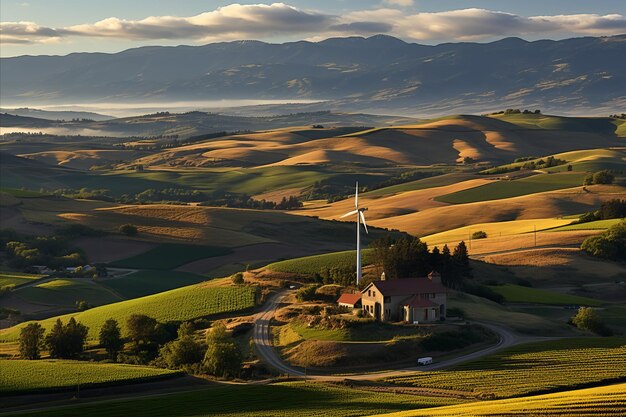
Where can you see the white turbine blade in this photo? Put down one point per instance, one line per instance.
(349, 214)
(356, 196)
(363, 220)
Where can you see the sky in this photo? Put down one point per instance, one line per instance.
(55, 27)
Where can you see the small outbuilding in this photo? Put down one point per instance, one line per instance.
(350, 300)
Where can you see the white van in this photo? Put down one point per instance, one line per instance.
(425, 361)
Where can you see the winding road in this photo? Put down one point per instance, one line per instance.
(265, 350)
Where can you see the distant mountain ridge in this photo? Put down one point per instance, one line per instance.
(373, 74)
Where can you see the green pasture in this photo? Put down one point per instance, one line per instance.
(141, 283)
(519, 294)
(65, 292)
(171, 255)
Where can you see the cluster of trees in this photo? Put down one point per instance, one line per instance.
(532, 164)
(64, 341)
(610, 244)
(24, 251)
(410, 257)
(161, 344)
(600, 177)
(618, 116)
(181, 196)
(341, 275)
(612, 209)
(549, 162)
(518, 111)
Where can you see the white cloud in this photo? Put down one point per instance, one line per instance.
(401, 3)
(266, 21)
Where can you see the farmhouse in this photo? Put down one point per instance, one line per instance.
(350, 300)
(408, 299)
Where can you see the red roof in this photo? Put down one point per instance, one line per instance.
(408, 286)
(348, 298)
(417, 301)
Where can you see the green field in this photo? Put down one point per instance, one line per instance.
(595, 225)
(421, 184)
(171, 255)
(181, 304)
(532, 368)
(599, 401)
(314, 264)
(515, 188)
(17, 278)
(519, 294)
(33, 375)
(549, 122)
(141, 283)
(276, 400)
(65, 292)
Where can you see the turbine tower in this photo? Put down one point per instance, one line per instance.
(360, 217)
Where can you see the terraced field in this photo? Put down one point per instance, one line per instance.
(314, 264)
(50, 374)
(600, 401)
(280, 400)
(532, 368)
(181, 304)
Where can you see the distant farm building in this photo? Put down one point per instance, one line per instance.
(350, 300)
(413, 300)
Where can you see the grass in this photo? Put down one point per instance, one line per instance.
(17, 278)
(515, 188)
(66, 292)
(377, 332)
(421, 184)
(519, 294)
(495, 229)
(532, 369)
(171, 255)
(187, 303)
(608, 401)
(141, 283)
(27, 375)
(595, 225)
(313, 264)
(279, 400)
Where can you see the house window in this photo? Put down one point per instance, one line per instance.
(374, 293)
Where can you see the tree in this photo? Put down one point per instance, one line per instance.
(141, 328)
(183, 351)
(111, 338)
(128, 229)
(31, 341)
(479, 235)
(610, 244)
(222, 358)
(237, 278)
(67, 342)
(588, 319)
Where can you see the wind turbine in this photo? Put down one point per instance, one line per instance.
(360, 217)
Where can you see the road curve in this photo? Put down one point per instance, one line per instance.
(265, 350)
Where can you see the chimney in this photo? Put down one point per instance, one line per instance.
(435, 277)
(382, 276)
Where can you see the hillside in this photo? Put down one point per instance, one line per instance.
(580, 73)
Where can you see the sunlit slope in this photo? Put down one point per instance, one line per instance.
(599, 401)
(446, 140)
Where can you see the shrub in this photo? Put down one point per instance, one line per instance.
(222, 357)
(588, 319)
(307, 293)
(184, 351)
(479, 235)
(237, 278)
(603, 177)
(128, 229)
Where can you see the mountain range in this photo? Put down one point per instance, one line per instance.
(379, 73)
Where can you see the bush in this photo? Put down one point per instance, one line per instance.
(184, 351)
(307, 293)
(237, 278)
(588, 319)
(128, 229)
(479, 235)
(600, 177)
(222, 357)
